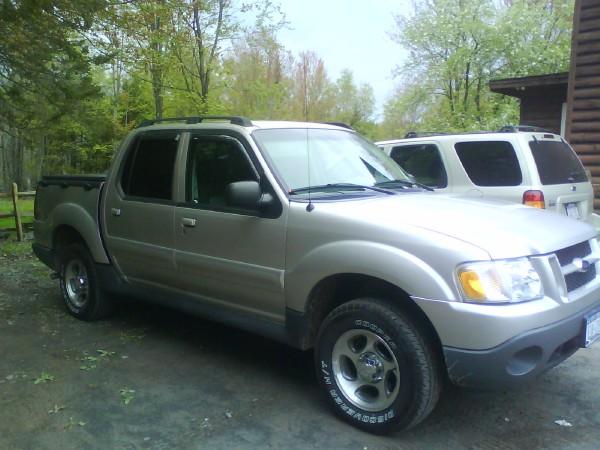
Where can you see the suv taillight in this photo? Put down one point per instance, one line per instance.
(534, 199)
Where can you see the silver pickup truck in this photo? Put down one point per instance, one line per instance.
(309, 234)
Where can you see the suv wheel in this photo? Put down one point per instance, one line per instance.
(79, 284)
(378, 369)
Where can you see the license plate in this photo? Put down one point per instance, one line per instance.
(592, 328)
(572, 210)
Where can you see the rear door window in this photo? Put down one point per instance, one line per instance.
(422, 161)
(148, 170)
(490, 163)
(557, 163)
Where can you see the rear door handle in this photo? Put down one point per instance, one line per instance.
(115, 212)
(187, 222)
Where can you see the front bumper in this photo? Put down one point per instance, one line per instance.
(521, 358)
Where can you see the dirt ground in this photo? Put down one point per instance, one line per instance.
(153, 378)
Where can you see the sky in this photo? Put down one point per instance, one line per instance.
(348, 34)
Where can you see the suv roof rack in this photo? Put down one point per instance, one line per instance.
(235, 120)
(414, 134)
(525, 128)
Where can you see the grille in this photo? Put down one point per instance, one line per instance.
(566, 255)
(577, 279)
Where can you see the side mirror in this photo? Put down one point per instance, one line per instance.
(248, 195)
(243, 194)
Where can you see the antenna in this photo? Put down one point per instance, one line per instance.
(310, 205)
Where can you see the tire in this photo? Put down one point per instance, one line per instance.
(379, 371)
(79, 284)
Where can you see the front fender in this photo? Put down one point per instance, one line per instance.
(387, 263)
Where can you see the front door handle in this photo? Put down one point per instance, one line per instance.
(187, 222)
(115, 212)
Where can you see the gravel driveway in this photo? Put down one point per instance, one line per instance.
(153, 378)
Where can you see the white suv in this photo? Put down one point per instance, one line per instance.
(518, 164)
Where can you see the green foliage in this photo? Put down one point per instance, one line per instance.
(76, 76)
(457, 46)
(353, 104)
(127, 395)
(44, 377)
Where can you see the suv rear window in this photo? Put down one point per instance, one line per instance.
(423, 162)
(557, 163)
(148, 171)
(490, 163)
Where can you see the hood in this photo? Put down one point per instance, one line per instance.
(502, 229)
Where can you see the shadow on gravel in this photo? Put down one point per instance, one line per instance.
(215, 339)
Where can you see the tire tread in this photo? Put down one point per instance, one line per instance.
(426, 357)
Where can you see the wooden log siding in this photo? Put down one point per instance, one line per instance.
(583, 96)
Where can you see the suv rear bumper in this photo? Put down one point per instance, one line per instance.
(520, 359)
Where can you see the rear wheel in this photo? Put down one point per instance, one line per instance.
(379, 370)
(79, 284)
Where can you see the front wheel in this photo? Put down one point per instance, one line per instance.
(379, 370)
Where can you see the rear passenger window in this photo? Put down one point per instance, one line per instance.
(423, 162)
(490, 163)
(148, 170)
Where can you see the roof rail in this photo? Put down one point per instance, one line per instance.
(525, 128)
(235, 120)
(414, 134)
(339, 124)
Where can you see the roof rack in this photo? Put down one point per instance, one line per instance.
(414, 134)
(339, 124)
(525, 128)
(235, 120)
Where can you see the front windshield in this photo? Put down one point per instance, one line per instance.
(334, 157)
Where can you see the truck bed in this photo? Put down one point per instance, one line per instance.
(73, 202)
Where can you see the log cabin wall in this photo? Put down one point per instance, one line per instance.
(544, 110)
(583, 97)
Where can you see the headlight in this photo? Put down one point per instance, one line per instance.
(502, 281)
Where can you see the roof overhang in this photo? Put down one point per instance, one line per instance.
(538, 84)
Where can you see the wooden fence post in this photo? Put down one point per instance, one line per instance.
(18, 223)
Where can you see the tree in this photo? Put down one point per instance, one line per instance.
(313, 94)
(41, 80)
(200, 28)
(457, 46)
(354, 104)
(257, 71)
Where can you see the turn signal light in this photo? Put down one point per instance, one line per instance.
(534, 199)
(472, 286)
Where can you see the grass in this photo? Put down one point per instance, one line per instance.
(25, 206)
(11, 248)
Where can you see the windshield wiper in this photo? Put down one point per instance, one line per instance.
(338, 186)
(391, 183)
